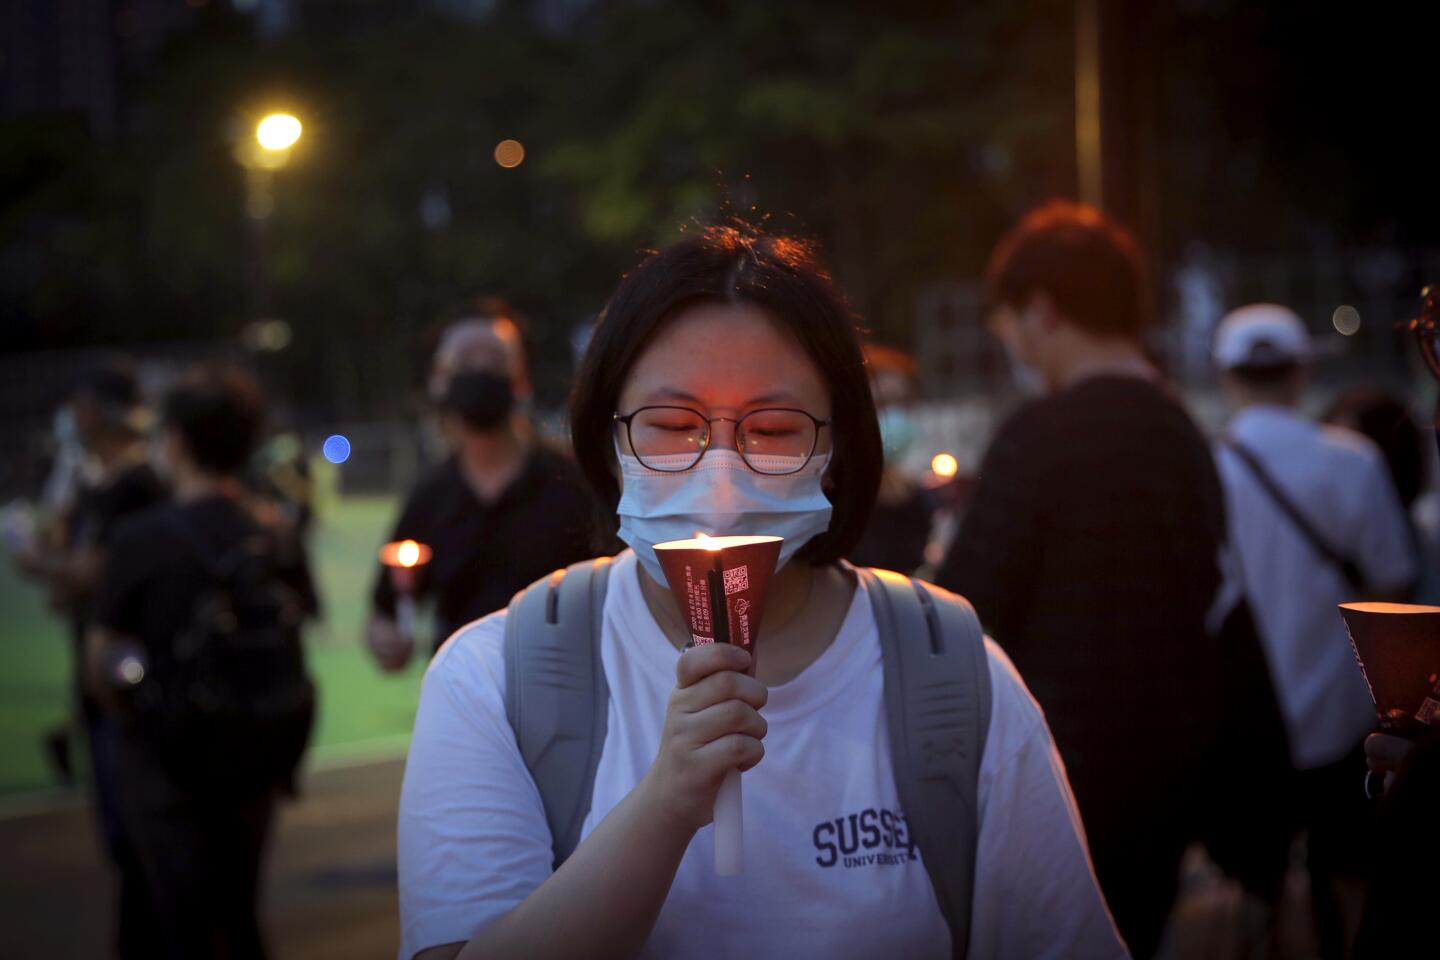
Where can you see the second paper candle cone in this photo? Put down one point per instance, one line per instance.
(745, 565)
(1398, 646)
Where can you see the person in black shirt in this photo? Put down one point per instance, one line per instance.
(117, 482)
(900, 525)
(500, 512)
(1403, 890)
(1090, 551)
(199, 849)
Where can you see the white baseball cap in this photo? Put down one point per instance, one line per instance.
(1261, 335)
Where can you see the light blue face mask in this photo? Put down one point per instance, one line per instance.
(720, 496)
(897, 430)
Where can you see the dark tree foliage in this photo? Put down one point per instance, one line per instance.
(902, 136)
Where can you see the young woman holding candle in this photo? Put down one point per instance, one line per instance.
(724, 392)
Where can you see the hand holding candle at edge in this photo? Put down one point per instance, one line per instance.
(392, 642)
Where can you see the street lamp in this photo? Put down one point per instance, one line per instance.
(278, 131)
(268, 151)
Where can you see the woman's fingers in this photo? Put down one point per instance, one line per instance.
(719, 687)
(733, 752)
(712, 725)
(699, 662)
(721, 720)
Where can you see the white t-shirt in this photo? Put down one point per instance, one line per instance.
(829, 870)
(1339, 482)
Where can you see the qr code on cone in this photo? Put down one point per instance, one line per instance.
(737, 579)
(1428, 710)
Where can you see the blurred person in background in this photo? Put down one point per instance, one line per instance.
(1379, 415)
(500, 511)
(1090, 550)
(114, 480)
(487, 337)
(281, 498)
(195, 652)
(1316, 521)
(109, 422)
(899, 527)
(1400, 901)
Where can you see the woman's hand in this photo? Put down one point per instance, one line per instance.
(1384, 753)
(390, 645)
(712, 726)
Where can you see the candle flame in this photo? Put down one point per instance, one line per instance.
(705, 541)
(405, 555)
(945, 465)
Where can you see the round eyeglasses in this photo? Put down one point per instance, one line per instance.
(770, 440)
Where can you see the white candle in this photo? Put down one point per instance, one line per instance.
(729, 828)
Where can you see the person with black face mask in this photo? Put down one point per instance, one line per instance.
(500, 511)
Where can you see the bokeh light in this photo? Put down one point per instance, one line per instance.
(408, 554)
(336, 448)
(944, 465)
(1346, 319)
(267, 336)
(132, 670)
(509, 153)
(279, 131)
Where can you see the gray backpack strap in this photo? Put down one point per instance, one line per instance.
(937, 704)
(556, 697)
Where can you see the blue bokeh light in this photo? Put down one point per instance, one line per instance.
(336, 448)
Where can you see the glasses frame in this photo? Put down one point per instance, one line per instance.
(627, 418)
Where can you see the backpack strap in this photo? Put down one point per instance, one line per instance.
(1347, 566)
(556, 697)
(937, 704)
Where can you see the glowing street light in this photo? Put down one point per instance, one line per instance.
(278, 131)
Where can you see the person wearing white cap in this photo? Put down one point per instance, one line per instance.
(1315, 521)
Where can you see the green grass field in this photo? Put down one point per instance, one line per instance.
(361, 709)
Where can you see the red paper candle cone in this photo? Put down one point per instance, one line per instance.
(1398, 646)
(724, 575)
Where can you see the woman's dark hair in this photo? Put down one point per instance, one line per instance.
(219, 414)
(1082, 260)
(736, 265)
(1377, 414)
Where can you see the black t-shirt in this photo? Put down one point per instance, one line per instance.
(1090, 552)
(98, 512)
(98, 508)
(154, 573)
(1404, 888)
(484, 553)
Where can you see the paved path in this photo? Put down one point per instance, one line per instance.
(330, 882)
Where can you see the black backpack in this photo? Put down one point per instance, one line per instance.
(233, 706)
(937, 703)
